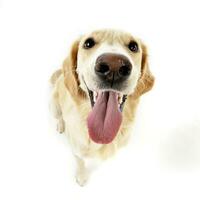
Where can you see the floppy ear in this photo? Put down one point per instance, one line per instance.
(146, 80)
(70, 75)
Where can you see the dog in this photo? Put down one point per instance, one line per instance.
(96, 93)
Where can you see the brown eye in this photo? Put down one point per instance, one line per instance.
(133, 46)
(89, 43)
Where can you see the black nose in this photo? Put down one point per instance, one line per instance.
(112, 67)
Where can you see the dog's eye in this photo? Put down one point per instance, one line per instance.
(89, 43)
(133, 46)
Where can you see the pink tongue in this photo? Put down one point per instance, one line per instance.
(105, 118)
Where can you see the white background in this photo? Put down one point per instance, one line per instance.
(162, 160)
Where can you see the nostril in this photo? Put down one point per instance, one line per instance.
(103, 68)
(124, 70)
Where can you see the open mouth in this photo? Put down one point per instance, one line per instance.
(105, 118)
(94, 95)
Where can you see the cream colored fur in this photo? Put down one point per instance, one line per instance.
(71, 106)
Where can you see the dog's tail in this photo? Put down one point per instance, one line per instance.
(55, 76)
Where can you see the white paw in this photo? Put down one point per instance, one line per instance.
(61, 126)
(81, 178)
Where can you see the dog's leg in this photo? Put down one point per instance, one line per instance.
(81, 172)
(60, 125)
(57, 112)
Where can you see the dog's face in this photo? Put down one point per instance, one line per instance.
(109, 60)
(108, 66)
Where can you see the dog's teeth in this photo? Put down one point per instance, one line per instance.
(120, 98)
(95, 93)
(95, 96)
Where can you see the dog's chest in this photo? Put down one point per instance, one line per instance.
(76, 128)
(77, 133)
(75, 117)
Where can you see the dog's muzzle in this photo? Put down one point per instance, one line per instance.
(108, 99)
(112, 68)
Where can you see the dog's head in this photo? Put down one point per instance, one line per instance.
(107, 67)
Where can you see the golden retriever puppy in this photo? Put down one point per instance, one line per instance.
(96, 93)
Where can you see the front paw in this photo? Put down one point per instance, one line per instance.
(82, 178)
(61, 126)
